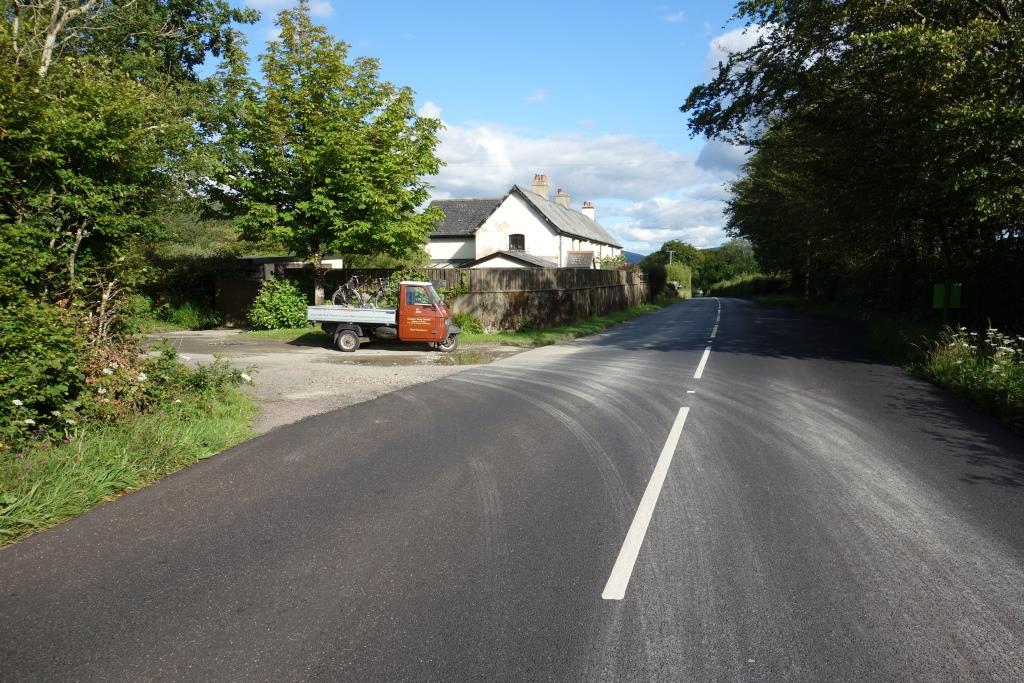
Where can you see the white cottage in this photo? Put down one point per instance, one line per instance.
(523, 229)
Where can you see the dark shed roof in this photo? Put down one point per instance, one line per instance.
(521, 256)
(462, 217)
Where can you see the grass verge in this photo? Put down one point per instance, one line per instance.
(986, 368)
(560, 333)
(286, 333)
(44, 486)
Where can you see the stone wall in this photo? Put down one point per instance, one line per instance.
(510, 299)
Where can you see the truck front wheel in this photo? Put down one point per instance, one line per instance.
(450, 343)
(346, 340)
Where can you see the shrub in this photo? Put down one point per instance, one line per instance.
(279, 304)
(683, 275)
(44, 358)
(467, 322)
(190, 315)
(53, 382)
(749, 284)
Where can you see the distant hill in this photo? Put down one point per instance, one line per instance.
(633, 257)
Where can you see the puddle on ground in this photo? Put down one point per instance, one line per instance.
(469, 358)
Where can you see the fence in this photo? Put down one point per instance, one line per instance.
(501, 298)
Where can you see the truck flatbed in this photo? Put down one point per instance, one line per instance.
(328, 313)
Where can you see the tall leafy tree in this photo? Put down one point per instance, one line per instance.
(99, 101)
(324, 157)
(888, 144)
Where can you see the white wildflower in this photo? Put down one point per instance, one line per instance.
(177, 401)
(101, 391)
(245, 377)
(108, 371)
(71, 422)
(55, 413)
(113, 365)
(142, 377)
(18, 402)
(29, 421)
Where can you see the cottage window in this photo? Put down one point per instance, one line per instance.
(517, 242)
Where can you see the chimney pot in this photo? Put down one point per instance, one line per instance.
(561, 198)
(589, 211)
(540, 185)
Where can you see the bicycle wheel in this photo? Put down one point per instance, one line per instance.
(341, 296)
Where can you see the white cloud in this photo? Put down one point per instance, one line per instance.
(695, 218)
(429, 110)
(321, 8)
(730, 42)
(537, 96)
(674, 18)
(722, 158)
(645, 194)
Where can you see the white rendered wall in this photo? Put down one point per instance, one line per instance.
(451, 248)
(513, 217)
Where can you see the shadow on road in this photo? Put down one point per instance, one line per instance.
(995, 454)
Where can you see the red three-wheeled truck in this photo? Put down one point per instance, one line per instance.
(421, 317)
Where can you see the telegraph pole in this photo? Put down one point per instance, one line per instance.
(670, 252)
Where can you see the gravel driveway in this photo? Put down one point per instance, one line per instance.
(293, 380)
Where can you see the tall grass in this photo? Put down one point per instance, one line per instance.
(45, 485)
(984, 367)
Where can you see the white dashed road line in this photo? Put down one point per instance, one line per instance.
(615, 589)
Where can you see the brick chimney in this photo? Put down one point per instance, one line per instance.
(540, 185)
(588, 210)
(561, 198)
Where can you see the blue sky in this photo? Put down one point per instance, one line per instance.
(587, 93)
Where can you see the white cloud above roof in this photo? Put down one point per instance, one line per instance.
(645, 194)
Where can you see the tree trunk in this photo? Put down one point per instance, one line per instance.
(807, 273)
(58, 21)
(319, 276)
(73, 256)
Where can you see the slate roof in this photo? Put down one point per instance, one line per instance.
(567, 221)
(521, 256)
(462, 217)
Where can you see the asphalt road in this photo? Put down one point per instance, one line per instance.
(822, 517)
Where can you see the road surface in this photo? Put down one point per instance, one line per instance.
(717, 491)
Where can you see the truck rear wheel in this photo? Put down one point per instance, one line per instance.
(346, 340)
(450, 343)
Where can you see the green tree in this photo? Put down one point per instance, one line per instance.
(333, 159)
(99, 103)
(735, 257)
(100, 111)
(888, 144)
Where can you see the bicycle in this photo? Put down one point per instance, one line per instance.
(349, 295)
(380, 294)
